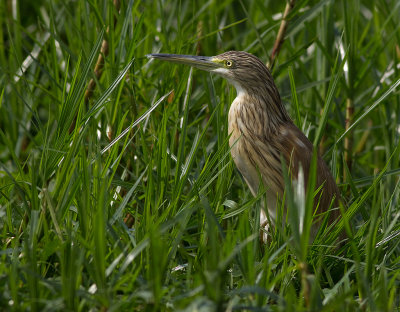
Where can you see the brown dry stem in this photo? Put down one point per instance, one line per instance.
(99, 67)
(348, 141)
(280, 38)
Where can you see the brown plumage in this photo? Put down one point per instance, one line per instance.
(261, 130)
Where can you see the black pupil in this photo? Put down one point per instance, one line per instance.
(228, 63)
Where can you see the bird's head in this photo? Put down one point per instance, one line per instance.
(244, 70)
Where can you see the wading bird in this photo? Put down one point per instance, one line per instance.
(262, 133)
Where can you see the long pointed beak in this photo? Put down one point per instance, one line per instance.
(201, 62)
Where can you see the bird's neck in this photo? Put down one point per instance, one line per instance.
(260, 115)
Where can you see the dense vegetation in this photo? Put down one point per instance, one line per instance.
(121, 194)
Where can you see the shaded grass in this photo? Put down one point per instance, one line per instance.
(140, 206)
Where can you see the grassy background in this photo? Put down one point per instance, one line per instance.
(160, 219)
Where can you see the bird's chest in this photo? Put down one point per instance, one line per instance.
(238, 132)
(235, 130)
(244, 155)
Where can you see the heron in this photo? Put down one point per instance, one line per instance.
(262, 133)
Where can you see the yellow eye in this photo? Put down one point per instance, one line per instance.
(228, 63)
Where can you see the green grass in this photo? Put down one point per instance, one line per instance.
(140, 207)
